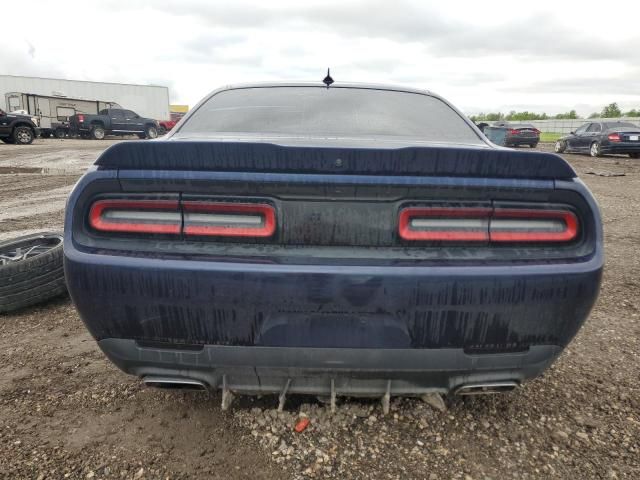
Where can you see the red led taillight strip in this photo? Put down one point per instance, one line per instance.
(499, 225)
(228, 219)
(529, 225)
(136, 216)
(445, 224)
(189, 217)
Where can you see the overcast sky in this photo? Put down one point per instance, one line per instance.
(483, 56)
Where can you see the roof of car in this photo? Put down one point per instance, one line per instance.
(375, 86)
(514, 124)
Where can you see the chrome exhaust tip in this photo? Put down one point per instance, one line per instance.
(486, 388)
(174, 383)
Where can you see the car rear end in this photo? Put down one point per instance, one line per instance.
(79, 123)
(331, 268)
(522, 135)
(622, 139)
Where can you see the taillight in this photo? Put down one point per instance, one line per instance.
(445, 224)
(614, 137)
(493, 225)
(228, 219)
(80, 118)
(136, 216)
(514, 131)
(528, 225)
(536, 131)
(171, 217)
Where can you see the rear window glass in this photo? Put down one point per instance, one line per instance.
(620, 125)
(337, 112)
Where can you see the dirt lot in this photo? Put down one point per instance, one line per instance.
(66, 412)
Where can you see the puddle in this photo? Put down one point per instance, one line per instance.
(40, 171)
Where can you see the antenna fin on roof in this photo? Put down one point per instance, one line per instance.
(328, 80)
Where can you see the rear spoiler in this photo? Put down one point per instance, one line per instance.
(266, 157)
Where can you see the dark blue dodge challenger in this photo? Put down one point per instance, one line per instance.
(350, 240)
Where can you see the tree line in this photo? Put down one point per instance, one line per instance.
(610, 111)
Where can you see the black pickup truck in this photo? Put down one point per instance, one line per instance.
(18, 129)
(112, 121)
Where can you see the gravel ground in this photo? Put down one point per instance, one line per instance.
(66, 412)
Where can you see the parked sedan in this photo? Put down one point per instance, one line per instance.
(344, 240)
(600, 138)
(519, 134)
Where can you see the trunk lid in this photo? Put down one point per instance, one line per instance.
(343, 159)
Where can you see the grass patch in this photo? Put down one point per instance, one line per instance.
(549, 137)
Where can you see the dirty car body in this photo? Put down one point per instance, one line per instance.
(351, 240)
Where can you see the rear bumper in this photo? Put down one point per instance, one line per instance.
(621, 148)
(424, 328)
(522, 140)
(200, 301)
(365, 372)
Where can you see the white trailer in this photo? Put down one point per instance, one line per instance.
(151, 101)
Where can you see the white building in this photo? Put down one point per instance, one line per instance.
(151, 101)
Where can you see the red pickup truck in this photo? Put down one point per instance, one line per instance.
(165, 126)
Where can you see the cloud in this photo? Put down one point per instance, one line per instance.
(32, 50)
(22, 61)
(538, 36)
(619, 84)
(479, 55)
(523, 33)
(402, 20)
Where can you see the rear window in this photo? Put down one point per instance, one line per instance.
(620, 125)
(335, 111)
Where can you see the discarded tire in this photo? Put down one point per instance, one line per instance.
(31, 270)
